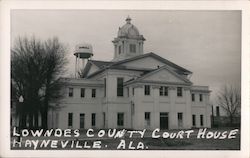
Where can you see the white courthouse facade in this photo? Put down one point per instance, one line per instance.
(135, 90)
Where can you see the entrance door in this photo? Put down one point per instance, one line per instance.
(82, 118)
(180, 119)
(163, 120)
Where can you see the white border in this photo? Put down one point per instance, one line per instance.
(6, 6)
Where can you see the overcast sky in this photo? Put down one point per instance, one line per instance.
(208, 43)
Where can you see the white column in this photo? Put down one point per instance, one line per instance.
(142, 48)
(138, 108)
(208, 111)
(156, 113)
(187, 118)
(173, 122)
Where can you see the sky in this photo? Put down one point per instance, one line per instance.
(208, 43)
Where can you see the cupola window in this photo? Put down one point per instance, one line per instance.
(119, 49)
(132, 48)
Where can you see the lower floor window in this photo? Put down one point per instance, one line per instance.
(93, 119)
(194, 120)
(70, 119)
(201, 119)
(120, 119)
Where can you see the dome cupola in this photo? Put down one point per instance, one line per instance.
(128, 30)
(129, 42)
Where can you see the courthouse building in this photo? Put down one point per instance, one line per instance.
(135, 90)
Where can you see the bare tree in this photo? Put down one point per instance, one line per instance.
(229, 99)
(55, 61)
(35, 69)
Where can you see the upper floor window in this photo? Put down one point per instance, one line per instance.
(179, 91)
(193, 97)
(201, 97)
(132, 48)
(119, 86)
(82, 92)
(163, 91)
(71, 92)
(93, 93)
(133, 91)
(147, 89)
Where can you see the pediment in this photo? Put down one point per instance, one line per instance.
(165, 75)
(151, 61)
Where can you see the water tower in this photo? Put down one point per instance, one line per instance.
(82, 53)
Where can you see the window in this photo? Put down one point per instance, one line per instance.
(179, 91)
(120, 119)
(201, 97)
(147, 118)
(193, 97)
(147, 89)
(119, 87)
(93, 119)
(132, 48)
(133, 91)
(105, 82)
(93, 93)
(82, 92)
(163, 91)
(119, 49)
(217, 111)
(201, 119)
(82, 120)
(70, 119)
(71, 92)
(194, 120)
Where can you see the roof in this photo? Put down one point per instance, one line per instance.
(196, 88)
(102, 65)
(80, 81)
